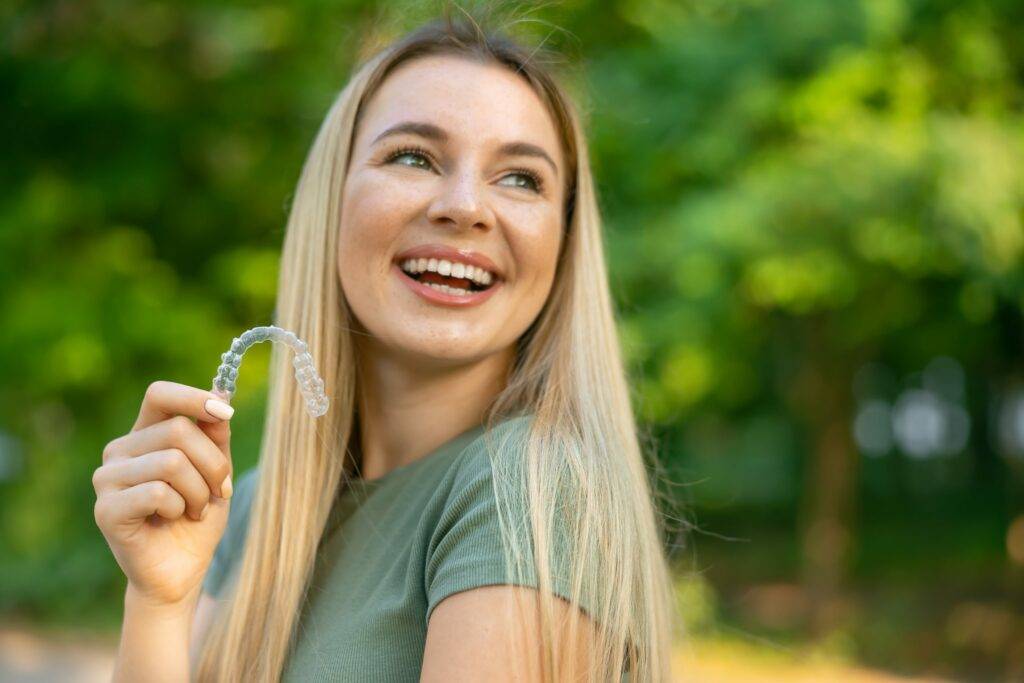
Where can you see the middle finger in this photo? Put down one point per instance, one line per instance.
(181, 433)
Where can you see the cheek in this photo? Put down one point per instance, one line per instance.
(374, 212)
(535, 242)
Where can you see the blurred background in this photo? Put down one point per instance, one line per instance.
(815, 225)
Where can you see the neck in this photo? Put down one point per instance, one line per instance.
(408, 408)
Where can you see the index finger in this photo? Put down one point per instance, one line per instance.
(165, 399)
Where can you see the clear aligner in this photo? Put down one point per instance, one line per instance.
(310, 384)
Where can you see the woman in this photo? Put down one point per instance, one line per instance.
(474, 506)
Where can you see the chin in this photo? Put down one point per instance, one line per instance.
(445, 346)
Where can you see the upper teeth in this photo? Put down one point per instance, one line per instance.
(443, 267)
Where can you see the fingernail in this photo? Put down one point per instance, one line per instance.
(202, 515)
(219, 409)
(225, 488)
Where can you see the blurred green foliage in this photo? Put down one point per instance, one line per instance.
(807, 203)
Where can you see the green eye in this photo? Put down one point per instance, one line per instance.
(531, 182)
(412, 153)
(534, 183)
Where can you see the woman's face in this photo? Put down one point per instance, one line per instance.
(454, 162)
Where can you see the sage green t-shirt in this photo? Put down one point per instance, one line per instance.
(394, 547)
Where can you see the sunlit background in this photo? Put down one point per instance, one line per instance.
(815, 225)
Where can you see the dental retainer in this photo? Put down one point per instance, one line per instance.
(310, 384)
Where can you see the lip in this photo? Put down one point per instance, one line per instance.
(434, 296)
(441, 251)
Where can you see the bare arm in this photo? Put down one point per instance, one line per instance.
(162, 502)
(154, 641)
(200, 626)
(471, 637)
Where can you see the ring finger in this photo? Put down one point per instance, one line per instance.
(170, 465)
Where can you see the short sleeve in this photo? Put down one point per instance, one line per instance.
(229, 549)
(466, 548)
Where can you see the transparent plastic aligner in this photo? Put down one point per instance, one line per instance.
(310, 383)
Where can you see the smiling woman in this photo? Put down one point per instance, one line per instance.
(475, 505)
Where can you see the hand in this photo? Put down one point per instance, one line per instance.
(163, 493)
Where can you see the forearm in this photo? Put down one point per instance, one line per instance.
(154, 641)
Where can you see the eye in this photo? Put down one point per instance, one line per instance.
(535, 183)
(411, 152)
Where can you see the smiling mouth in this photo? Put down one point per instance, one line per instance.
(470, 280)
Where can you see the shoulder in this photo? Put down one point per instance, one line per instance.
(488, 471)
(486, 534)
(499, 465)
(497, 455)
(489, 500)
(470, 487)
(496, 449)
(464, 549)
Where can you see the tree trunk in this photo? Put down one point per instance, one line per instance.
(829, 505)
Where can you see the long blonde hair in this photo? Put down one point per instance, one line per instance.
(580, 474)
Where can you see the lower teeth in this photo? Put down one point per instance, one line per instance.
(457, 291)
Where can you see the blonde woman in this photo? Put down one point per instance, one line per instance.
(475, 505)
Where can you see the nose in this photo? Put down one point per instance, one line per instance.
(460, 203)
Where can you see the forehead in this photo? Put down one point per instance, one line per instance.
(474, 102)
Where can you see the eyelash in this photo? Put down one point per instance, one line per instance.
(538, 182)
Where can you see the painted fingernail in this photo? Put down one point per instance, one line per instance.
(219, 409)
(225, 488)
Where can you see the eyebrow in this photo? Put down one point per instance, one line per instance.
(433, 132)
